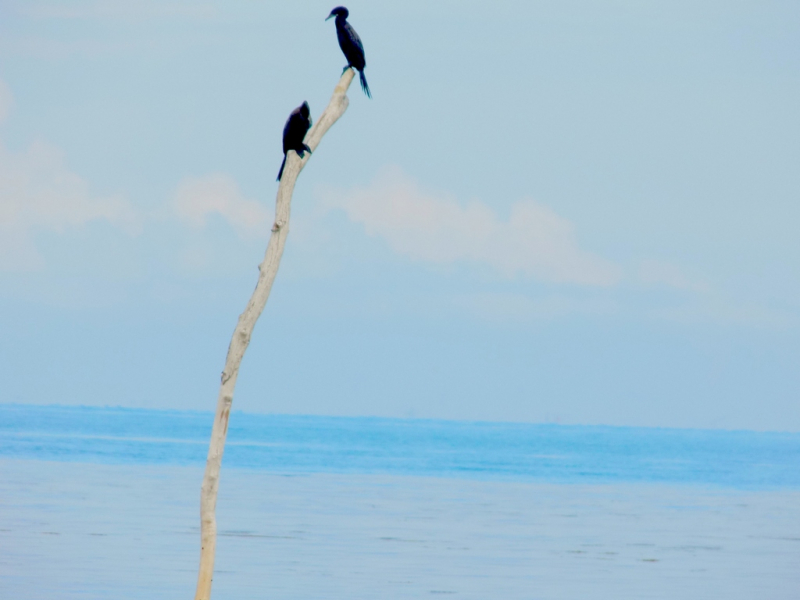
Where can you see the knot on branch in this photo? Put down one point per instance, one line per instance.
(278, 225)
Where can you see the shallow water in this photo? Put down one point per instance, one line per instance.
(103, 504)
(74, 530)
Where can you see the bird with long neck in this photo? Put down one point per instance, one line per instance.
(351, 45)
(294, 132)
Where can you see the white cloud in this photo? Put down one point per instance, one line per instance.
(425, 226)
(39, 193)
(198, 197)
(659, 273)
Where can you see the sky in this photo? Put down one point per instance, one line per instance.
(573, 212)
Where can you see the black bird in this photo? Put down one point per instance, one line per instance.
(294, 132)
(350, 44)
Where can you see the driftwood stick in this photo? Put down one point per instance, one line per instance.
(244, 329)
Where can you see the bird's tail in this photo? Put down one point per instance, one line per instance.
(283, 164)
(364, 85)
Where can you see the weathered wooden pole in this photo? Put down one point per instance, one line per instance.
(244, 328)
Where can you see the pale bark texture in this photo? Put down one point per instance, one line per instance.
(244, 328)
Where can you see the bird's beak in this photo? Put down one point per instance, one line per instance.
(329, 16)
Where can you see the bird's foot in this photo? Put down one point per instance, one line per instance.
(345, 69)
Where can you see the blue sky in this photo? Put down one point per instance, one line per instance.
(574, 212)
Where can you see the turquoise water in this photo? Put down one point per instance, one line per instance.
(498, 451)
(99, 503)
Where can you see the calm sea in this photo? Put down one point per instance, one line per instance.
(102, 503)
(314, 444)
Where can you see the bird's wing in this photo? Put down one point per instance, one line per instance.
(351, 33)
(289, 130)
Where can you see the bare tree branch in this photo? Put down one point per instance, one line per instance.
(244, 329)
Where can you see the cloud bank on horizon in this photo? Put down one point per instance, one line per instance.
(38, 192)
(534, 241)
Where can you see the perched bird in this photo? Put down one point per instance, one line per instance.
(350, 44)
(294, 132)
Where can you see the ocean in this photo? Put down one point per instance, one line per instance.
(103, 503)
